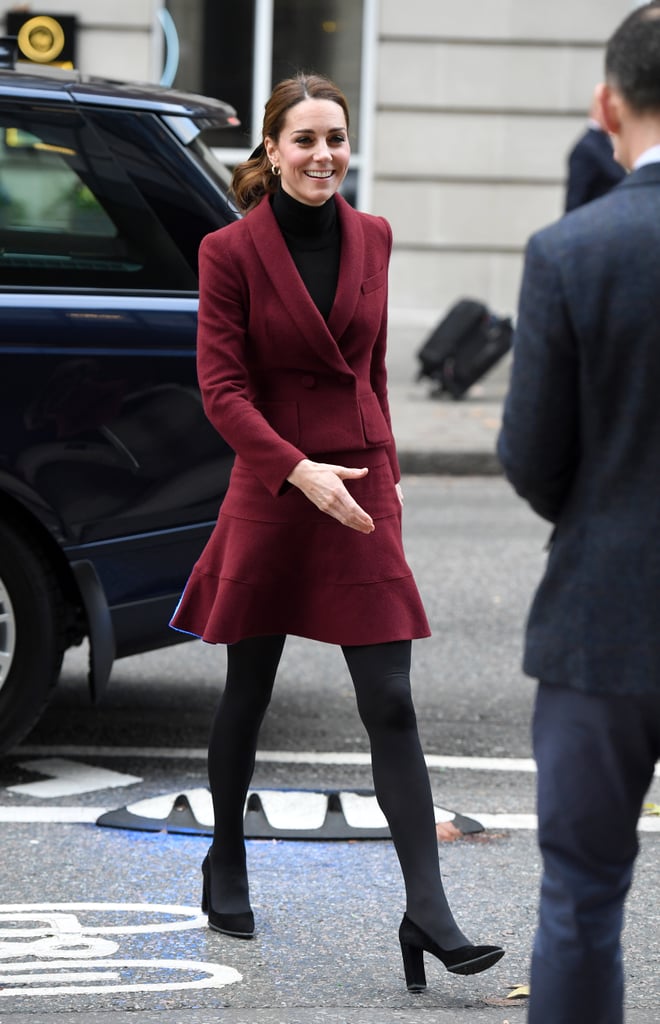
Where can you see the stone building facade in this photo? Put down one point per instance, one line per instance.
(466, 111)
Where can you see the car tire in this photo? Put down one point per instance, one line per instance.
(31, 635)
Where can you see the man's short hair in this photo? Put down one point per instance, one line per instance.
(632, 58)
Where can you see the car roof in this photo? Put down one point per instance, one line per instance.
(30, 81)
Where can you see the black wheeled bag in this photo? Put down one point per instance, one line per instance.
(463, 347)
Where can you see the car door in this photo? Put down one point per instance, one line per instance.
(102, 431)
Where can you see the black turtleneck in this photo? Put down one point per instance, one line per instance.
(313, 239)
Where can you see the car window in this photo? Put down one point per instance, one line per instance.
(188, 198)
(69, 215)
(42, 193)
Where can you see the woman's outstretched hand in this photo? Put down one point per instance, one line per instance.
(323, 485)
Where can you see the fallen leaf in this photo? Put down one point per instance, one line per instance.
(651, 809)
(519, 992)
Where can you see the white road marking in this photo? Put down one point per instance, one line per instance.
(59, 952)
(51, 815)
(51, 935)
(64, 815)
(363, 811)
(160, 807)
(58, 917)
(479, 764)
(213, 976)
(503, 764)
(306, 810)
(286, 809)
(10, 979)
(69, 778)
(514, 822)
(354, 806)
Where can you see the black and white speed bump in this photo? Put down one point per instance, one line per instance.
(273, 814)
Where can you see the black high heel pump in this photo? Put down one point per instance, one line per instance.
(240, 926)
(464, 960)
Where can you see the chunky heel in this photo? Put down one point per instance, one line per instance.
(464, 960)
(239, 926)
(413, 967)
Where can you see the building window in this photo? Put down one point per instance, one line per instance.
(237, 52)
(323, 36)
(216, 43)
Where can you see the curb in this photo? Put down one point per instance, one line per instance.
(439, 463)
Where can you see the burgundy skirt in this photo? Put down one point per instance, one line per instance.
(280, 565)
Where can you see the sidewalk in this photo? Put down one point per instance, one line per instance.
(440, 435)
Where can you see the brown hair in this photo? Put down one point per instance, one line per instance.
(253, 179)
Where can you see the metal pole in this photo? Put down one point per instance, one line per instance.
(263, 64)
(368, 100)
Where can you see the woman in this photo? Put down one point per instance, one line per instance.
(291, 357)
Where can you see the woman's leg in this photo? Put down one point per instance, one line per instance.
(251, 669)
(381, 676)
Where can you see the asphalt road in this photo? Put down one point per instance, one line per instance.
(104, 922)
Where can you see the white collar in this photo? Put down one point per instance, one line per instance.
(649, 156)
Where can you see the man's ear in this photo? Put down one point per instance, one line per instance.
(609, 102)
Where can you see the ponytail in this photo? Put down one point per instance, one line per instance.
(252, 180)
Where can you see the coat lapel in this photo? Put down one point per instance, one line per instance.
(286, 281)
(351, 269)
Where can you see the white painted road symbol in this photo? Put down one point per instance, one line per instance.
(55, 948)
(69, 778)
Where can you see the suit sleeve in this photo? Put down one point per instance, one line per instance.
(592, 170)
(378, 363)
(222, 368)
(539, 442)
(580, 174)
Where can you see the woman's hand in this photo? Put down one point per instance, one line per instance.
(323, 485)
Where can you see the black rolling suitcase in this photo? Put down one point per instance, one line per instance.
(463, 347)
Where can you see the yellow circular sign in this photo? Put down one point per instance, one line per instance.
(41, 39)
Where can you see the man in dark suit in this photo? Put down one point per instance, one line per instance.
(580, 441)
(592, 169)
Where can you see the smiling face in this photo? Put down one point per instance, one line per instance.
(312, 151)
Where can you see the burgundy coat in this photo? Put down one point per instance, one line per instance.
(280, 384)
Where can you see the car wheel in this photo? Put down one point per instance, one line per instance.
(31, 635)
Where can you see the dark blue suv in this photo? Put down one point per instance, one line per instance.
(110, 474)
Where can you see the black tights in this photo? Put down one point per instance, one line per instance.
(381, 677)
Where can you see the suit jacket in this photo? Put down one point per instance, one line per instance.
(278, 382)
(592, 169)
(580, 438)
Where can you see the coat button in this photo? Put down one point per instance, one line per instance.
(309, 381)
